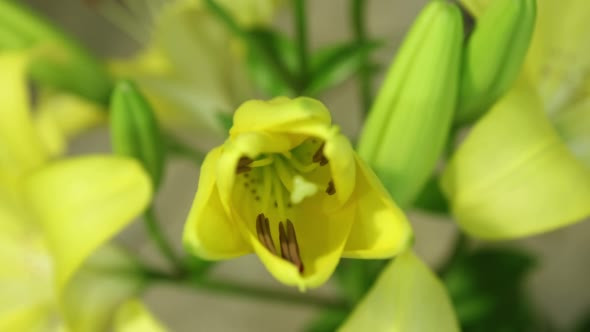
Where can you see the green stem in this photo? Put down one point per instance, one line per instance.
(358, 10)
(301, 33)
(156, 234)
(247, 291)
(269, 56)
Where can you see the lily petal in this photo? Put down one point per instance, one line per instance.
(83, 202)
(63, 116)
(407, 297)
(133, 316)
(208, 232)
(380, 228)
(513, 176)
(20, 147)
(342, 164)
(106, 279)
(280, 114)
(573, 124)
(559, 57)
(26, 282)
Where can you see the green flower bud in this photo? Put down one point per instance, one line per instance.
(134, 129)
(59, 61)
(409, 122)
(494, 54)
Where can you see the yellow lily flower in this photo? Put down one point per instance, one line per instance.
(192, 69)
(525, 166)
(30, 300)
(54, 216)
(289, 187)
(407, 297)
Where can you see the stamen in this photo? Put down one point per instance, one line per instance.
(260, 229)
(293, 246)
(267, 237)
(287, 240)
(244, 165)
(243, 169)
(261, 162)
(331, 190)
(244, 161)
(283, 241)
(319, 157)
(263, 232)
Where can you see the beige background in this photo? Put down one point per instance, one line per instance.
(559, 286)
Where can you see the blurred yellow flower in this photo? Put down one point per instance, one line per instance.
(55, 214)
(288, 186)
(525, 166)
(193, 68)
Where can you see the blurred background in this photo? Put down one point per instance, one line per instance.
(558, 283)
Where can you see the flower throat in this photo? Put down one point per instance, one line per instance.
(277, 182)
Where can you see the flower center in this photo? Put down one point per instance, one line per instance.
(277, 183)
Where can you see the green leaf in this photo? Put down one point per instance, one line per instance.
(272, 63)
(487, 290)
(327, 321)
(334, 64)
(134, 129)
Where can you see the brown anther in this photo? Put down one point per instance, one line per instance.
(243, 165)
(267, 237)
(293, 246)
(244, 161)
(319, 157)
(263, 232)
(243, 169)
(283, 242)
(331, 190)
(260, 228)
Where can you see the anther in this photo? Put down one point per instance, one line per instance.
(331, 190)
(319, 157)
(289, 246)
(293, 246)
(263, 232)
(283, 242)
(243, 165)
